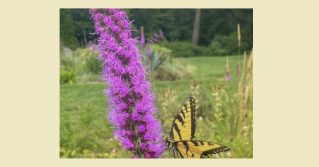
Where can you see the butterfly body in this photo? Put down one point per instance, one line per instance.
(182, 132)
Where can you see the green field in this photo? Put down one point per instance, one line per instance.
(85, 131)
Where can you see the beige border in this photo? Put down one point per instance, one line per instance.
(30, 87)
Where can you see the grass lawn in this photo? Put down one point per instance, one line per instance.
(86, 132)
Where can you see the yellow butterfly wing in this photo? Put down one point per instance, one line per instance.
(196, 149)
(184, 123)
(183, 131)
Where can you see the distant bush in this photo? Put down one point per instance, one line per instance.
(93, 65)
(83, 63)
(225, 45)
(185, 49)
(67, 76)
(220, 46)
(66, 63)
(173, 70)
(164, 74)
(156, 57)
(87, 61)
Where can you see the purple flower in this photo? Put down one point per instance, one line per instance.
(130, 96)
(227, 71)
(142, 37)
(148, 155)
(150, 40)
(156, 36)
(141, 129)
(161, 34)
(227, 77)
(129, 144)
(143, 147)
(156, 40)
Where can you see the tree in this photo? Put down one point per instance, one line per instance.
(67, 29)
(196, 27)
(83, 26)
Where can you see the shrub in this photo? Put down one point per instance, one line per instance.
(164, 74)
(156, 56)
(66, 63)
(173, 70)
(93, 65)
(220, 46)
(67, 76)
(225, 45)
(86, 61)
(185, 49)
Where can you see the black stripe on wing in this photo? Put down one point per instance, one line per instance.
(187, 147)
(183, 117)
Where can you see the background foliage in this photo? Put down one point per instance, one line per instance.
(218, 28)
(67, 29)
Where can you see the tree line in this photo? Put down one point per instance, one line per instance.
(176, 24)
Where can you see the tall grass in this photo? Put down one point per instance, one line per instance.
(244, 116)
(223, 115)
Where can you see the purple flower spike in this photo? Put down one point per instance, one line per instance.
(149, 40)
(161, 34)
(227, 77)
(130, 96)
(227, 71)
(142, 37)
(156, 40)
(156, 36)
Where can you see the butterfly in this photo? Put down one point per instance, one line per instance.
(182, 132)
